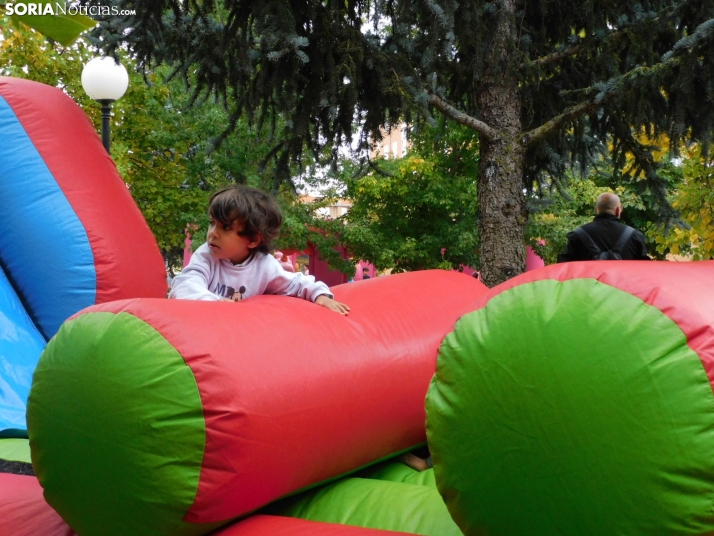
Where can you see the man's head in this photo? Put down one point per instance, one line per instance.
(608, 203)
(251, 212)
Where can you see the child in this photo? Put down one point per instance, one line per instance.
(235, 263)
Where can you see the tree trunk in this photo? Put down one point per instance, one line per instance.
(502, 210)
(502, 214)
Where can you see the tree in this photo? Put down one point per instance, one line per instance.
(543, 83)
(303, 225)
(419, 211)
(694, 197)
(62, 27)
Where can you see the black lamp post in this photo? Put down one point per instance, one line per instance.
(105, 81)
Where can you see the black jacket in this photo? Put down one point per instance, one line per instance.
(605, 229)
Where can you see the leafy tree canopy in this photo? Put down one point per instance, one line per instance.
(694, 197)
(44, 16)
(420, 211)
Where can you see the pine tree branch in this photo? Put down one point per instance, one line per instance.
(555, 56)
(460, 117)
(611, 89)
(538, 133)
(574, 49)
(643, 158)
(704, 31)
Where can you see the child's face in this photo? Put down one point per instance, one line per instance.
(225, 242)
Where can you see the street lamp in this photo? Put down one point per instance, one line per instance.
(105, 81)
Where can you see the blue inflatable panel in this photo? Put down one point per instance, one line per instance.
(44, 247)
(20, 348)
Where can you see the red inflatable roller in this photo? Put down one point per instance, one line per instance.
(23, 510)
(188, 412)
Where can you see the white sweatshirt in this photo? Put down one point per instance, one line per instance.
(207, 278)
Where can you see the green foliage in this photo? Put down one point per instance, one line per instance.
(26, 54)
(548, 228)
(584, 76)
(64, 28)
(694, 197)
(304, 225)
(266, 59)
(420, 212)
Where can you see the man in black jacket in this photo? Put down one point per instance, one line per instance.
(605, 231)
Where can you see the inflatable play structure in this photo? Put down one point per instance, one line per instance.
(574, 399)
(71, 233)
(577, 399)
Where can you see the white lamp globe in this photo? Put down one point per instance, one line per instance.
(105, 80)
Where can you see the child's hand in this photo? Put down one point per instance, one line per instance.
(333, 305)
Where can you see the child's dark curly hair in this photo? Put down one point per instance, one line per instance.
(254, 209)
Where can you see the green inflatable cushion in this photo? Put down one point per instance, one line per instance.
(376, 504)
(15, 450)
(399, 472)
(135, 376)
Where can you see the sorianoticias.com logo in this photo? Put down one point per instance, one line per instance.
(62, 8)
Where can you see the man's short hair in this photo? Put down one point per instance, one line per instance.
(251, 208)
(607, 202)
